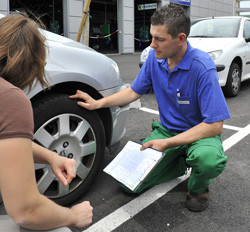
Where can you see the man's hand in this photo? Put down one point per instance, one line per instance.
(64, 169)
(83, 214)
(88, 102)
(157, 144)
(200, 131)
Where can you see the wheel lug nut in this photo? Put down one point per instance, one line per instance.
(65, 144)
(70, 155)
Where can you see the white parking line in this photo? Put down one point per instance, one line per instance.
(235, 138)
(231, 127)
(126, 212)
(149, 110)
(145, 109)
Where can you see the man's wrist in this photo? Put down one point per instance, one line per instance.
(100, 103)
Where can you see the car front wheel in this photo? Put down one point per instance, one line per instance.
(232, 86)
(73, 132)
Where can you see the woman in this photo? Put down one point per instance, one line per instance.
(22, 62)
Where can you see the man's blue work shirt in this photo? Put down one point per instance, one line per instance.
(186, 96)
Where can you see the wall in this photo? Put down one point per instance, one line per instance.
(200, 9)
(4, 6)
(163, 2)
(126, 26)
(72, 15)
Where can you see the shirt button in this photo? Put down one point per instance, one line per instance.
(170, 82)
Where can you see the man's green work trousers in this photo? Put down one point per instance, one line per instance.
(205, 156)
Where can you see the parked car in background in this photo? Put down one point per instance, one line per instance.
(226, 40)
(144, 56)
(70, 130)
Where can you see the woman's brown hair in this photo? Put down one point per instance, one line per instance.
(22, 51)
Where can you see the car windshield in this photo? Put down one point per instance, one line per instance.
(215, 27)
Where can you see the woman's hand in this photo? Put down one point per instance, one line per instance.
(83, 214)
(64, 168)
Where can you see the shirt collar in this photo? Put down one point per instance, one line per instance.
(186, 61)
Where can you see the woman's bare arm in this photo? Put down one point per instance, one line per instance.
(23, 202)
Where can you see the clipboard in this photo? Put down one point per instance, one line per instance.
(131, 165)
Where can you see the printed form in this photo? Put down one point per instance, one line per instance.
(132, 165)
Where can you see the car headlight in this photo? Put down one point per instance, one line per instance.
(215, 54)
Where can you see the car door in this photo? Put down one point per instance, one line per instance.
(246, 34)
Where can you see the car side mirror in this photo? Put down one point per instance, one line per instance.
(247, 39)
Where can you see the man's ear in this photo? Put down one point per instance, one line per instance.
(181, 38)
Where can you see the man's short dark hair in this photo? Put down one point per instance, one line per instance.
(174, 17)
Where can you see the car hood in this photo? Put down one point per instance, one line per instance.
(71, 57)
(64, 40)
(212, 44)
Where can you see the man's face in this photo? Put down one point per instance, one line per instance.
(162, 42)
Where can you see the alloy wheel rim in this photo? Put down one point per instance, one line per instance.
(235, 80)
(70, 136)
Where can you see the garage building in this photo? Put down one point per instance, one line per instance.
(126, 21)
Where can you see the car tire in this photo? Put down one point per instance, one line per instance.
(232, 86)
(71, 131)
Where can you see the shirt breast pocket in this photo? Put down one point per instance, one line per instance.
(184, 104)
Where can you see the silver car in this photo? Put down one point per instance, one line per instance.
(64, 127)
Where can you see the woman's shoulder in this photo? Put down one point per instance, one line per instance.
(11, 94)
(16, 115)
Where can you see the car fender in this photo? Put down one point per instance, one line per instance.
(83, 61)
(237, 51)
(235, 54)
(55, 78)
